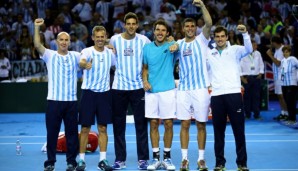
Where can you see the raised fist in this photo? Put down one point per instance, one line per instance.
(38, 22)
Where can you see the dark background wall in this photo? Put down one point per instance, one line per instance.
(25, 97)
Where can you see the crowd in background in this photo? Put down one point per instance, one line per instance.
(263, 18)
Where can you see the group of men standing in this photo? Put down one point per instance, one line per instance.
(144, 79)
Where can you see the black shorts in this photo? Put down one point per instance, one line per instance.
(97, 104)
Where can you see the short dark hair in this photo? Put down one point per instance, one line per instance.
(188, 20)
(131, 15)
(161, 22)
(220, 29)
(276, 39)
(287, 47)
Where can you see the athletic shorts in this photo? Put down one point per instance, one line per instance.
(161, 105)
(277, 86)
(95, 104)
(193, 103)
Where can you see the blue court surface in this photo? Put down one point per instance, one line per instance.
(271, 146)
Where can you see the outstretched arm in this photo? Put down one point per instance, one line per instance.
(39, 47)
(206, 17)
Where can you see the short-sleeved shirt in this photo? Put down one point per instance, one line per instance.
(276, 69)
(289, 69)
(97, 78)
(62, 75)
(161, 64)
(129, 58)
(193, 72)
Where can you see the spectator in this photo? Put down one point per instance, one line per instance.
(26, 10)
(55, 27)
(200, 25)
(147, 30)
(41, 6)
(189, 10)
(65, 13)
(119, 7)
(27, 50)
(154, 6)
(168, 15)
(10, 45)
(17, 26)
(276, 43)
(103, 8)
(284, 9)
(4, 26)
(75, 43)
(83, 10)
(24, 36)
(4, 66)
(233, 38)
(119, 25)
(48, 34)
(49, 19)
(80, 30)
(252, 69)
(289, 80)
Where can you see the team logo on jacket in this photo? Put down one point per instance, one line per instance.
(128, 52)
(214, 53)
(187, 52)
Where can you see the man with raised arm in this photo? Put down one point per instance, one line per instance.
(62, 66)
(193, 98)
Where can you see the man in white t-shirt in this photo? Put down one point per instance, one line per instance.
(62, 66)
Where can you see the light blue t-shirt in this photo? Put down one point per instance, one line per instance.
(161, 64)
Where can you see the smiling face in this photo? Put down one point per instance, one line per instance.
(189, 29)
(220, 39)
(131, 26)
(99, 39)
(160, 33)
(63, 41)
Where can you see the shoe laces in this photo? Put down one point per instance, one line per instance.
(143, 162)
(168, 161)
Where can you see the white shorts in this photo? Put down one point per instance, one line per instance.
(277, 86)
(193, 103)
(161, 105)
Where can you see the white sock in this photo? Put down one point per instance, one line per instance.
(102, 156)
(201, 155)
(167, 149)
(184, 153)
(155, 149)
(286, 113)
(282, 112)
(82, 156)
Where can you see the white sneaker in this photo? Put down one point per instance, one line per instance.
(168, 165)
(155, 164)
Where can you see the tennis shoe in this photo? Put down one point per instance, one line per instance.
(184, 165)
(155, 164)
